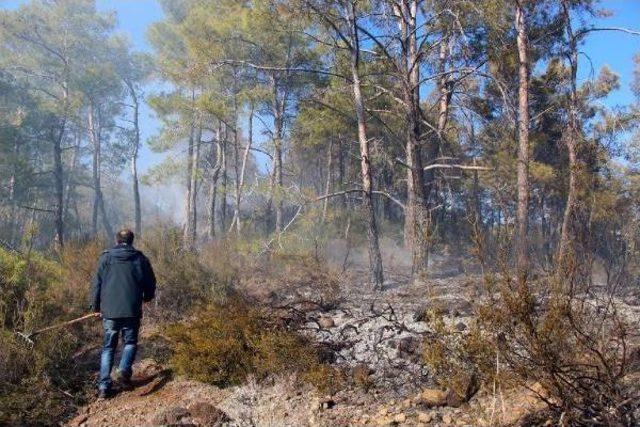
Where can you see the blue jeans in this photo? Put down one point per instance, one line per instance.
(129, 327)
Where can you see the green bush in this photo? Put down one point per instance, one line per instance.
(35, 381)
(227, 343)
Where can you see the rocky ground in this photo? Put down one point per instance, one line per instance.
(378, 332)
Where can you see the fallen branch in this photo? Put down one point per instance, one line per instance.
(33, 208)
(463, 167)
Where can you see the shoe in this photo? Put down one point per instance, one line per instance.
(123, 381)
(104, 394)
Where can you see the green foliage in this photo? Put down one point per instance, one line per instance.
(24, 287)
(33, 294)
(227, 343)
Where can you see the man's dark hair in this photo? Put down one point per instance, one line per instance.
(125, 236)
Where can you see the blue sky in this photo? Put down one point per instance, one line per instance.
(613, 49)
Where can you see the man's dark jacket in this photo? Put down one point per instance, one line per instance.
(124, 280)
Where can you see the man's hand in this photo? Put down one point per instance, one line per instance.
(97, 314)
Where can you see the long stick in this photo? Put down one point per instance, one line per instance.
(60, 325)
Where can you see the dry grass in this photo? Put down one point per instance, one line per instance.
(226, 344)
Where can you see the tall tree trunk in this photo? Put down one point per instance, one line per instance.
(69, 188)
(240, 175)
(13, 200)
(342, 170)
(278, 123)
(417, 215)
(567, 247)
(444, 91)
(192, 221)
(223, 189)
(58, 170)
(522, 212)
(187, 209)
(216, 162)
(98, 200)
(375, 258)
(95, 170)
(327, 187)
(137, 209)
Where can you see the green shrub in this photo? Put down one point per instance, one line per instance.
(227, 343)
(35, 381)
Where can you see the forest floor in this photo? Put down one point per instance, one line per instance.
(381, 332)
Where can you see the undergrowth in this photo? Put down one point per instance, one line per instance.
(228, 343)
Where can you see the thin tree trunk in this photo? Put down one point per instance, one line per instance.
(223, 190)
(13, 202)
(137, 209)
(570, 139)
(190, 167)
(522, 212)
(342, 170)
(58, 172)
(98, 200)
(445, 92)
(95, 169)
(69, 189)
(375, 258)
(189, 188)
(216, 161)
(327, 187)
(241, 176)
(192, 221)
(278, 123)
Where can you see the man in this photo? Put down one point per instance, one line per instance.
(123, 281)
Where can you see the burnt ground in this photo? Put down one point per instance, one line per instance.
(379, 332)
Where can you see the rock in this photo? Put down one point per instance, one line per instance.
(447, 419)
(406, 403)
(461, 327)
(458, 308)
(383, 421)
(433, 397)
(157, 381)
(408, 345)
(77, 421)
(327, 403)
(326, 322)
(400, 418)
(420, 314)
(425, 418)
(459, 396)
(383, 411)
(173, 415)
(206, 414)
(316, 404)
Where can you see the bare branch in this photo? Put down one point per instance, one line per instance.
(463, 167)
